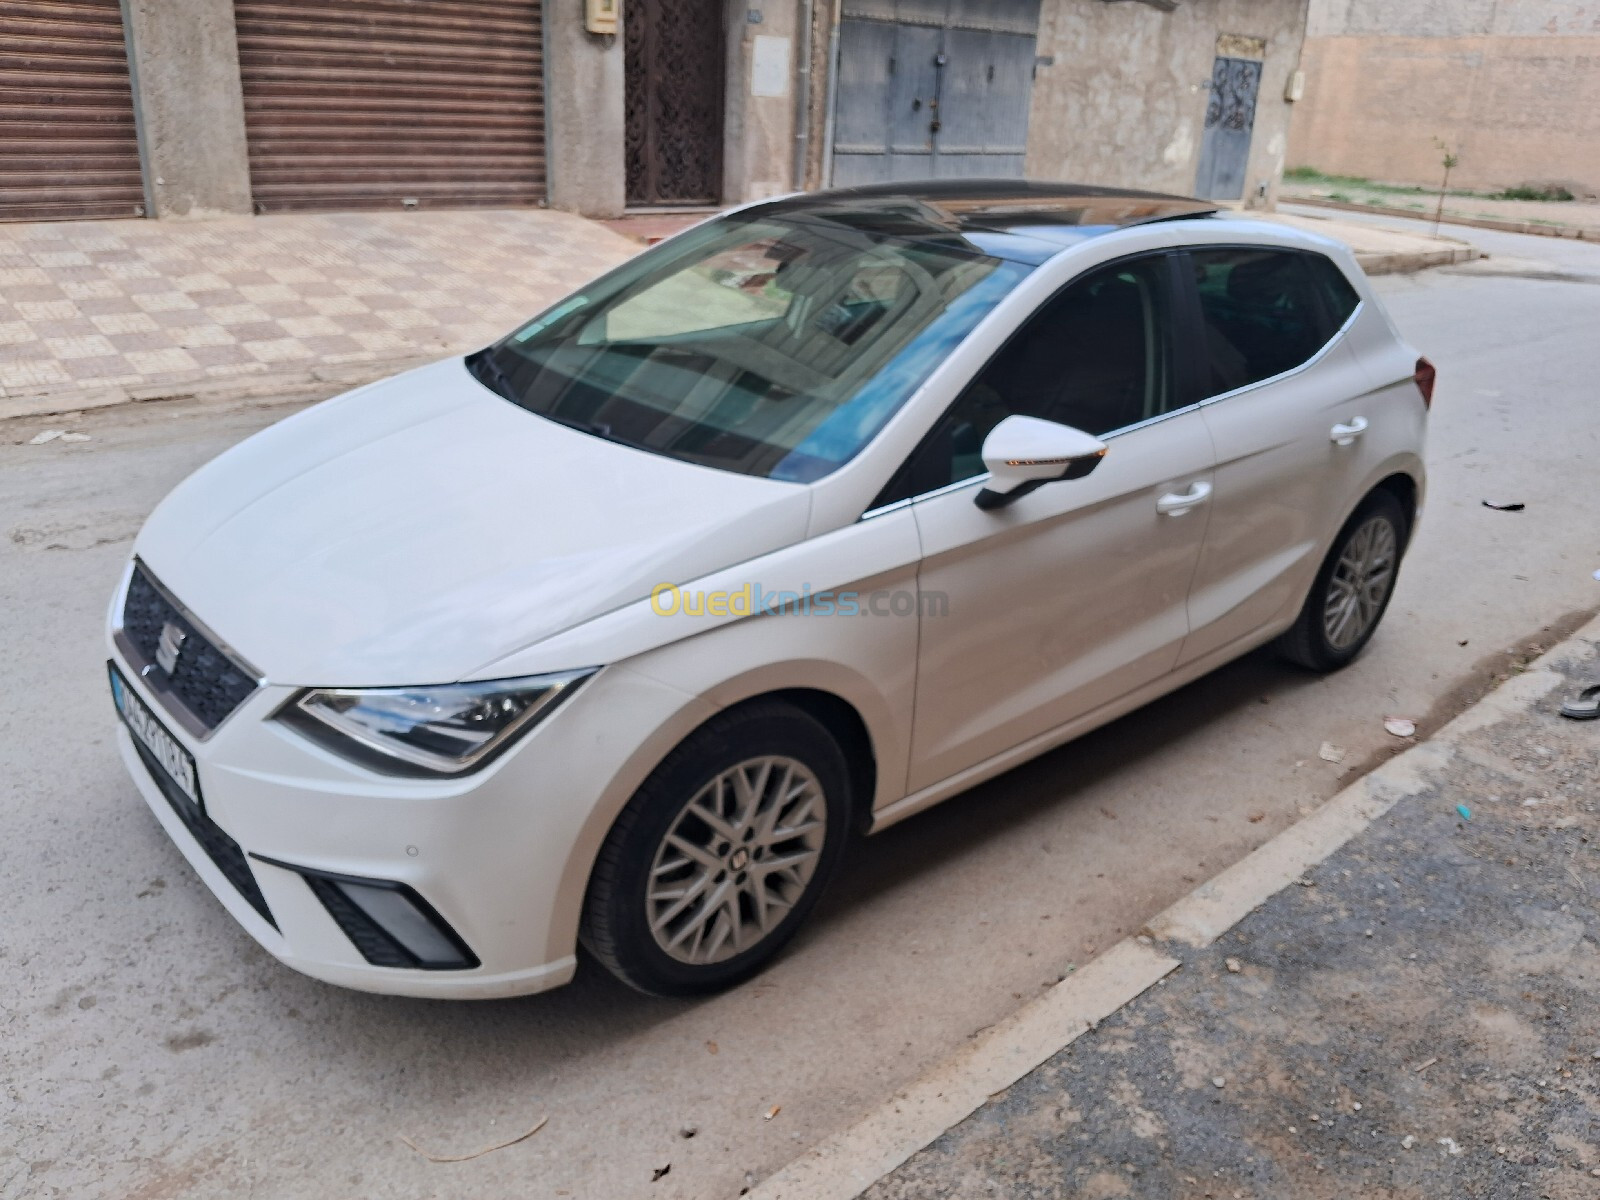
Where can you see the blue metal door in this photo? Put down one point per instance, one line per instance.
(930, 89)
(1230, 116)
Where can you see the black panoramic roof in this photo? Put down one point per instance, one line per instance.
(1009, 218)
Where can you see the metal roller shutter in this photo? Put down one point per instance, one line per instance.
(379, 103)
(68, 146)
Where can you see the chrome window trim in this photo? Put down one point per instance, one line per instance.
(1321, 353)
(142, 666)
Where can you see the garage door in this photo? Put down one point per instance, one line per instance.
(933, 89)
(392, 103)
(67, 142)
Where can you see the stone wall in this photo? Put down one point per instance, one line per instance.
(1123, 102)
(1512, 87)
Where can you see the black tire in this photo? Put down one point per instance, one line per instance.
(1307, 643)
(616, 924)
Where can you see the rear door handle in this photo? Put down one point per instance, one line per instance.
(1175, 504)
(1344, 435)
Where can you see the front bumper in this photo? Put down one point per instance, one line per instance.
(501, 857)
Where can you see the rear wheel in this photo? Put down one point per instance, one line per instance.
(721, 854)
(1352, 589)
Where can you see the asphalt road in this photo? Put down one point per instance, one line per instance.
(149, 1049)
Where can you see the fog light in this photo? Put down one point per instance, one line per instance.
(388, 922)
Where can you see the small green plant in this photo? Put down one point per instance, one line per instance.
(1340, 197)
(1449, 160)
(1550, 191)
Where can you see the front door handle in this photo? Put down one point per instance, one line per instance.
(1175, 504)
(1344, 435)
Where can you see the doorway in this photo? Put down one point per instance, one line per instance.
(673, 53)
(1230, 118)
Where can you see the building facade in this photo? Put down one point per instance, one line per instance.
(187, 108)
(1511, 87)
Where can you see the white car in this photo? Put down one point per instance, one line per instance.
(816, 514)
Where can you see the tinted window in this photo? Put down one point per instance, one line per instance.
(1337, 293)
(759, 345)
(1260, 314)
(1096, 357)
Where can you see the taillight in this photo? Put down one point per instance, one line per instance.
(1424, 377)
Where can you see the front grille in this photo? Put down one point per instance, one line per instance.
(204, 680)
(219, 847)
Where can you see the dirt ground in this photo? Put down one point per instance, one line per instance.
(1420, 1019)
(1582, 214)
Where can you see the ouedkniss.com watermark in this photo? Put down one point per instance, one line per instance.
(670, 600)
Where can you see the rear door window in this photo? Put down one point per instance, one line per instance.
(1261, 314)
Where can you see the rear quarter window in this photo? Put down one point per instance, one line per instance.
(1337, 292)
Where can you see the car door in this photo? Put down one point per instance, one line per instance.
(1043, 610)
(1284, 401)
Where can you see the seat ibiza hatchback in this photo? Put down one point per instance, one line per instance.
(613, 632)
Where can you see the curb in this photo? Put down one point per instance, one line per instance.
(281, 386)
(846, 1164)
(1374, 263)
(1574, 232)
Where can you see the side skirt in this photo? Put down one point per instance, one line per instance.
(909, 806)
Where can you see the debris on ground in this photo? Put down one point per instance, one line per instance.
(1408, 1141)
(1584, 706)
(1218, 1081)
(688, 1131)
(1505, 505)
(1328, 752)
(454, 1158)
(1466, 813)
(1233, 966)
(772, 1112)
(50, 435)
(1401, 727)
(659, 1172)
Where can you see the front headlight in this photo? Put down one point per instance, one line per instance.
(446, 729)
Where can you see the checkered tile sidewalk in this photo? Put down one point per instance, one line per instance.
(108, 310)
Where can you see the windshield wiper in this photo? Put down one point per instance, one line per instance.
(491, 374)
(598, 428)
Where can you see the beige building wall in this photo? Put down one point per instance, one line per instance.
(1123, 102)
(1512, 87)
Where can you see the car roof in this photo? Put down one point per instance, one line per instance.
(1026, 220)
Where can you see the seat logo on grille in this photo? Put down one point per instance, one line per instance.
(170, 646)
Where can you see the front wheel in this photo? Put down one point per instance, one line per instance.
(721, 854)
(1352, 589)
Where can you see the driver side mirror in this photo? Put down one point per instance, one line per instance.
(1023, 453)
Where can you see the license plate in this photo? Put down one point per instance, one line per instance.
(169, 756)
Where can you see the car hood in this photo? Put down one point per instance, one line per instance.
(420, 529)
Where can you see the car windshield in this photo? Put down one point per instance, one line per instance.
(775, 347)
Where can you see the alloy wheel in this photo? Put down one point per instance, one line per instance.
(1360, 583)
(736, 860)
